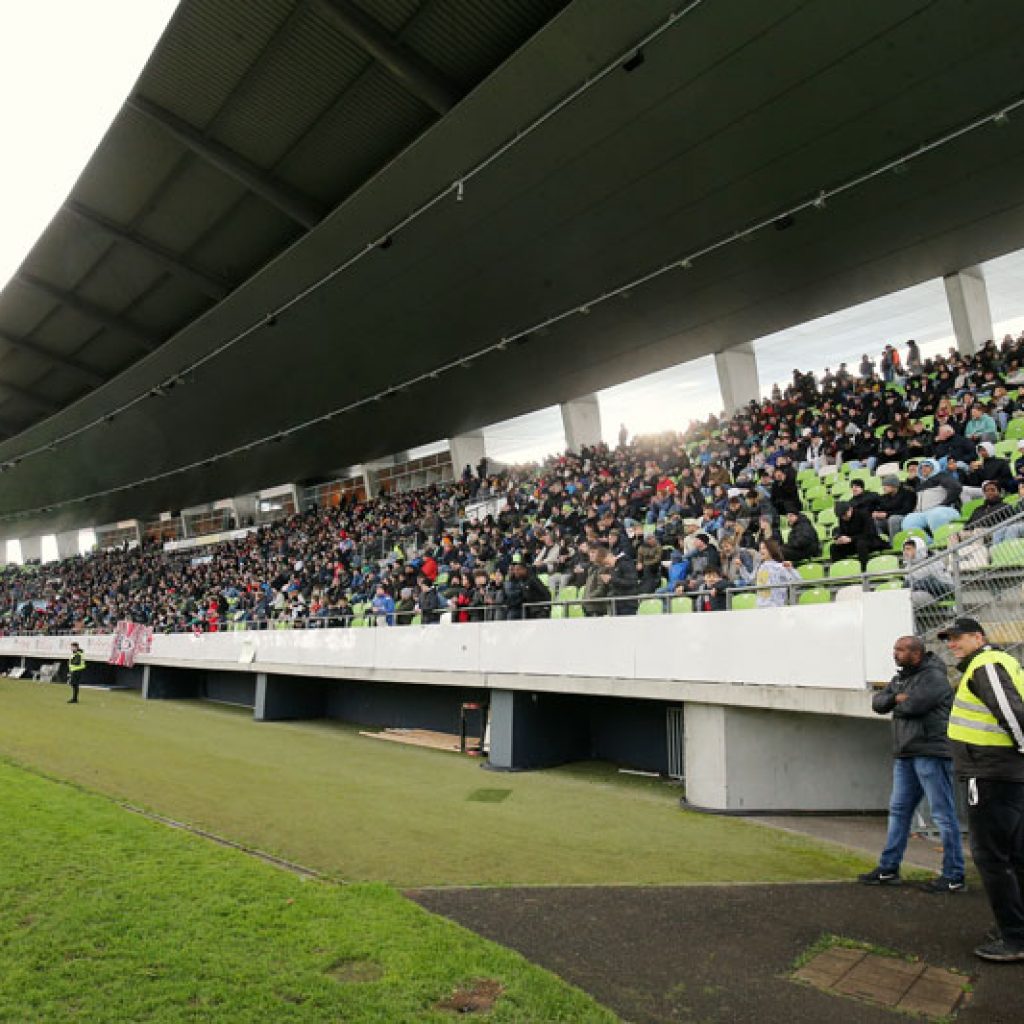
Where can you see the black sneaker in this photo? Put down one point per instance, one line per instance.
(1000, 952)
(943, 884)
(880, 876)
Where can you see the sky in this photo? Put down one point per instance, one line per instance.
(66, 68)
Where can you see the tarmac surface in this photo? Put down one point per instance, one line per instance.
(723, 954)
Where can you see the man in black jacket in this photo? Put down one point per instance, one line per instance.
(987, 734)
(897, 501)
(920, 699)
(803, 541)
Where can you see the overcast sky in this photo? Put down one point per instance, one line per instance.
(66, 67)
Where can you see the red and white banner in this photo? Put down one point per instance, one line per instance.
(130, 639)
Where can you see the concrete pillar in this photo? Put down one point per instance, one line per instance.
(581, 420)
(284, 698)
(67, 544)
(246, 508)
(370, 469)
(737, 376)
(535, 730)
(754, 759)
(31, 548)
(968, 308)
(467, 450)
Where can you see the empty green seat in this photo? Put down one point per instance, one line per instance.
(883, 563)
(1007, 553)
(651, 606)
(811, 571)
(815, 595)
(843, 568)
(744, 601)
(681, 604)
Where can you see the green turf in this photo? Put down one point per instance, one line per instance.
(108, 917)
(363, 809)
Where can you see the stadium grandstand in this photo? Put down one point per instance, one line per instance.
(248, 376)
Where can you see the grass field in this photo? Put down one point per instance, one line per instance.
(359, 809)
(108, 918)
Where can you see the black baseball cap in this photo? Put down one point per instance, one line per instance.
(960, 626)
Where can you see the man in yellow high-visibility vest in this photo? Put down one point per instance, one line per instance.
(986, 727)
(76, 668)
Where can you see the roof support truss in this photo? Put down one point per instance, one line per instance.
(63, 362)
(300, 208)
(413, 72)
(93, 312)
(206, 283)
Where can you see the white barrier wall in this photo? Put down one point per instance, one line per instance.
(841, 646)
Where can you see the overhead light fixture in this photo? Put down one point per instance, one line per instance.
(271, 320)
(821, 202)
(1001, 120)
(386, 242)
(686, 264)
(502, 345)
(585, 310)
(634, 62)
(460, 189)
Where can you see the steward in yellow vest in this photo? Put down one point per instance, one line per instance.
(76, 667)
(986, 727)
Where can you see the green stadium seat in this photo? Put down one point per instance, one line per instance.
(1007, 553)
(900, 539)
(827, 517)
(969, 506)
(651, 606)
(883, 563)
(1006, 448)
(942, 534)
(744, 601)
(890, 585)
(844, 568)
(681, 605)
(358, 622)
(811, 571)
(814, 595)
(1015, 430)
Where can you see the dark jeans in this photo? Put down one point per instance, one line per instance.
(995, 814)
(912, 778)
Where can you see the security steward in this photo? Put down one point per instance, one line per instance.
(76, 668)
(986, 728)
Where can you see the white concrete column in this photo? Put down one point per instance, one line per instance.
(756, 759)
(467, 450)
(968, 308)
(31, 548)
(737, 376)
(67, 544)
(370, 474)
(581, 419)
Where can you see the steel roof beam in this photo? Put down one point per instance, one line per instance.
(93, 312)
(206, 283)
(64, 362)
(412, 71)
(47, 405)
(300, 208)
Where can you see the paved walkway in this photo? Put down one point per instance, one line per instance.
(722, 954)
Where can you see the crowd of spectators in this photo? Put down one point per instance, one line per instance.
(689, 515)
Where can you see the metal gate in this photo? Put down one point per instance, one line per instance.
(674, 730)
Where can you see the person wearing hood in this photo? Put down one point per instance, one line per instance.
(938, 498)
(920, 700)
(856, 536)
(986, 466)
(928, 582)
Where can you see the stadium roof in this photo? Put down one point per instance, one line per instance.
(324, 210)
